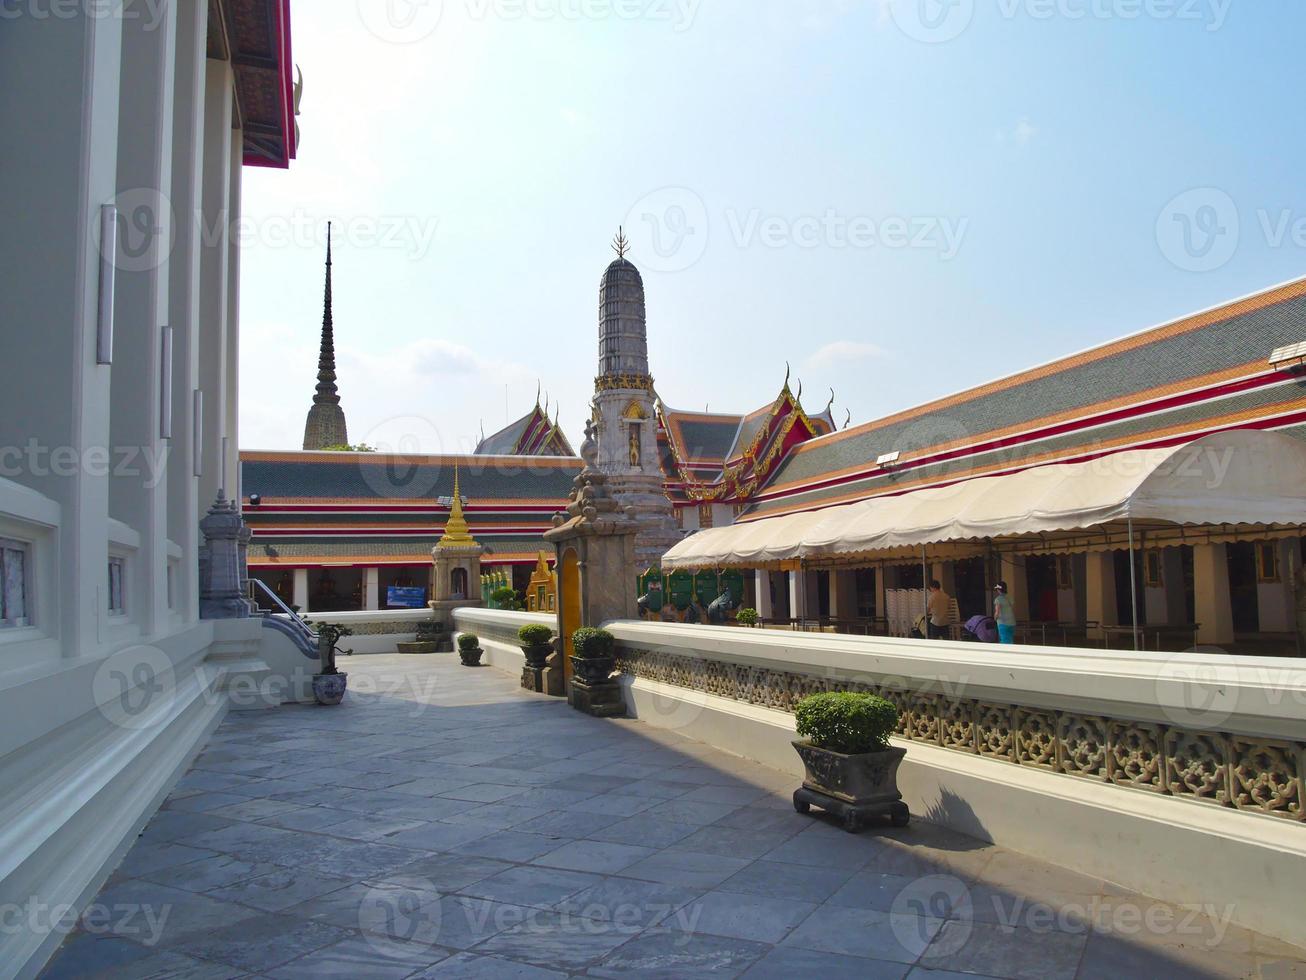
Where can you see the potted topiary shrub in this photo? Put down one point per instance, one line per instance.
(747, 616)
(329, 685)
(852, 770)
(536, 643)
(592, 658)
(469, 649)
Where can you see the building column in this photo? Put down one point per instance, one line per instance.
(797, 595)
(843, 594)
(1172, 569)
(299, 590)
(881, 586)
(1213, 605)
(372, 588)
(944, 572)
(1100, 590)
(762, 590)
(1014, 573)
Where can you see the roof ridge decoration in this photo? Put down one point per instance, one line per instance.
(456, 532)
(756, 462)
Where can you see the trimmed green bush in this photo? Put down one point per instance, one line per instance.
(534, 634)
(747, 616)
(468, 641)
(591, 644)
(844, 722)
(506, 598)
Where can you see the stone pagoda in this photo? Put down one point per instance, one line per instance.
(456, 577)
(326, 419)
(624, 410)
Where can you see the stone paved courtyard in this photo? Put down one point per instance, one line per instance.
(442, 823)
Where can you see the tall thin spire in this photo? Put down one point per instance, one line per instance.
(325, 427)
(456, 531)
(326, 358)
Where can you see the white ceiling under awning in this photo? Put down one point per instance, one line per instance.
(1237, 477)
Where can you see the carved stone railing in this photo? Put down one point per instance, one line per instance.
(1205, 727)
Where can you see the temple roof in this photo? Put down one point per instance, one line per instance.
(534, 434)
(254, 35)
(381, 477)
(1172, 381)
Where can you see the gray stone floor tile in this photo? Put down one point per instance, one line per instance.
(697, 812)
(766, 818)
(766, 920)
(164, 965)
(600, 857)
(356, 860)
(482, 793)
(145, 858)
(438, 836)
(656, 789)
(791, 962)
(509, 845)
(321, 818)
(644, 830)
(794, 881)
(469, 966)
(429, 786)
(732, 842)
(155, 914)
(1111, 957)
(450, 872)
(551, 799)
(568, 824)
(383, 959)
(168, 825)
(203, 802)
(82, 954)
(261, 944)
(996, 950)
(537, 887)
(498, 816)
(633, 902)
(686, 868)
(375, 828)
(614, 804)
(872, 890)
(661, 955)
(865, 932)
(279, 890)
(850, 852)
(214, 872)
(255, 809)
(558, 941)
(738, 795)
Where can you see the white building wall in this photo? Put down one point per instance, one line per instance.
(99, 713)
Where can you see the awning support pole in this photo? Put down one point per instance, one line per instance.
(925, 588)
(1133, 582)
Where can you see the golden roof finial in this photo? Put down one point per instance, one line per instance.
(621, 244)
(456, 531)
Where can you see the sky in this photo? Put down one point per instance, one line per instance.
(900, 198)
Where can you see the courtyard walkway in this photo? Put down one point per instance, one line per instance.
(442, 823)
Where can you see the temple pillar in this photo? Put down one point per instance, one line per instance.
(1100, 591)
(371, 588)
(1213, 606)
(299, 590)
(1014, 573)
(762, 588)
(881, 586)
(843, 594)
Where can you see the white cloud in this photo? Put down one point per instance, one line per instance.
(1021, 133)
(840, 353)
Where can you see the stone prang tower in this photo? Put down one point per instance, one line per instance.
(625, 412)
(326, 419)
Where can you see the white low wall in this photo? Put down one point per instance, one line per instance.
(714, 684)
(497, 631)
(375, 630)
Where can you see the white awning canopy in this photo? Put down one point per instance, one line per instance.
(1239, 477)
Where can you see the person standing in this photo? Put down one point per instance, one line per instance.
(1004, 613)
(940, 612)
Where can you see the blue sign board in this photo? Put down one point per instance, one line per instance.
(402, 597)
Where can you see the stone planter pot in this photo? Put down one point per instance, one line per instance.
(471, 658)
(852, 787)
(593, 670)
(329, 689)
(537, 655)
